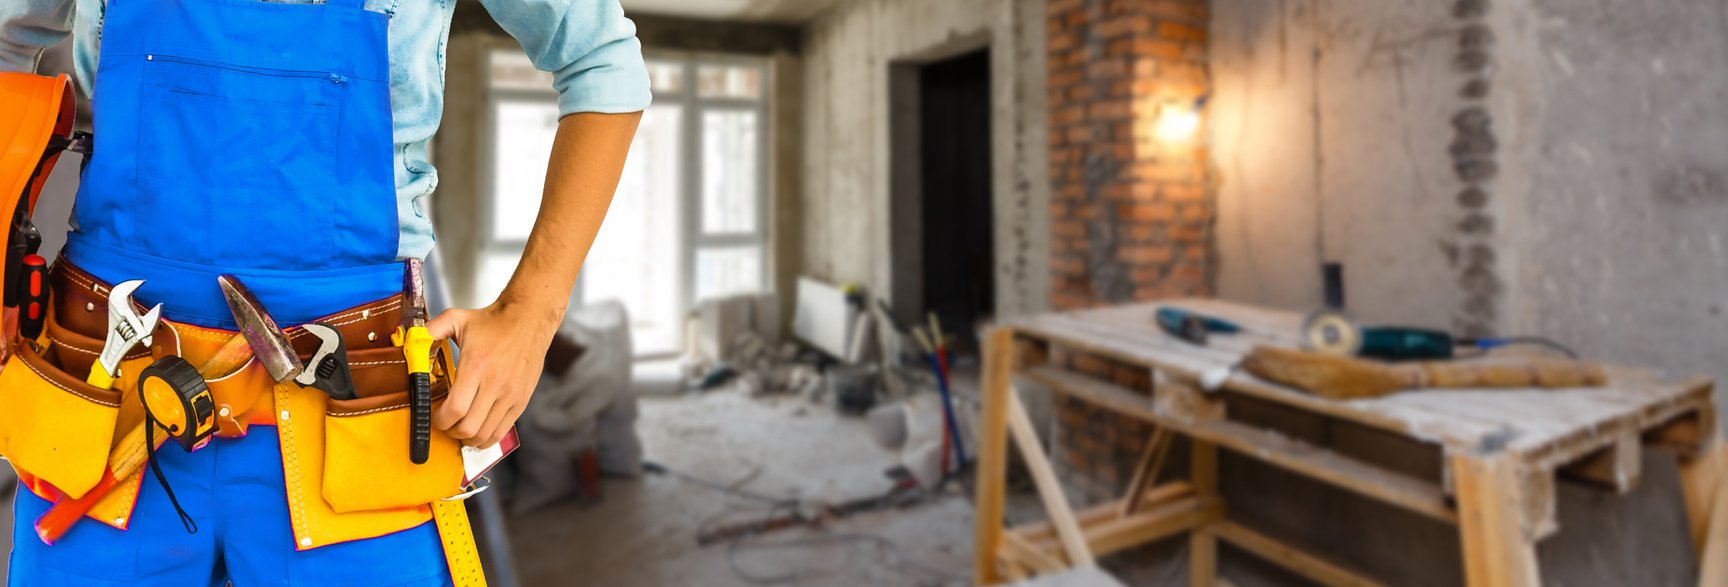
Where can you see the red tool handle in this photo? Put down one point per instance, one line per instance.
(129, 458)
(66, 512)
(33, 305)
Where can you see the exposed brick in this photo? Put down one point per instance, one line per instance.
(1091, 365)
(1180, 192)
(1149, 255)
(1149, 211)
(1112, 65)
(1122, 26)
(1158, 48)
(1181, 31)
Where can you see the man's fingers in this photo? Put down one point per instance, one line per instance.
(457, 403)
(508, 422)
(447, 325)
(499, 421)
(485, 402)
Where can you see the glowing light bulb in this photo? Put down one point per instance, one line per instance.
(1177, 122)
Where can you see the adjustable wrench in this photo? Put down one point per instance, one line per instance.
(126, 329)
(328, 368)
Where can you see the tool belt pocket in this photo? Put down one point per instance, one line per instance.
(366, 464)
(54, 425)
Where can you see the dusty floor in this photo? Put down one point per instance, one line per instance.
(643, 532)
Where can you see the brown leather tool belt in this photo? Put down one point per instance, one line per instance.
(79, 322)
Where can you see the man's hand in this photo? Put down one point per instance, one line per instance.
(504, 344)
(503, 351)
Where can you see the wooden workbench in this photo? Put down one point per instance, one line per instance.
(1501, 449)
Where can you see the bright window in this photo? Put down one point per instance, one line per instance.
(688, 222)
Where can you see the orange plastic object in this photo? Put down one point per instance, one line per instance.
(34, 110)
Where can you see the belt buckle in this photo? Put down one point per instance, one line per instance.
(476, 488)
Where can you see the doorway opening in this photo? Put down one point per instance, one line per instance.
(945, 249)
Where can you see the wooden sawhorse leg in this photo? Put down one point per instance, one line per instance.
(992, 471)
(1702, 478)
(1498, 552)
(1202, 542)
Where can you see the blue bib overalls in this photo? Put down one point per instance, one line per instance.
(250, 138)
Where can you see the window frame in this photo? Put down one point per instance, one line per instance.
(695, 107)
(691, 168)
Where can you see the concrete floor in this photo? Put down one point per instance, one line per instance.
(643, 532)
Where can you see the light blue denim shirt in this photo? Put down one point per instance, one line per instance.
(588, 46)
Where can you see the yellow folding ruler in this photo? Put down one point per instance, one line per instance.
(460, 551)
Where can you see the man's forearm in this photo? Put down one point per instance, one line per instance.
(587, 160)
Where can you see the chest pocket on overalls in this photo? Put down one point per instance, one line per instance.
(213, 134)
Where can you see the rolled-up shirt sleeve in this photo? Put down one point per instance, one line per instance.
(588, 46)
(27, 27)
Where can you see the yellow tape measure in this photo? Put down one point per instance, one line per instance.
(460, 552)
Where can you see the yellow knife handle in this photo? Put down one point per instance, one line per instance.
(100, 377)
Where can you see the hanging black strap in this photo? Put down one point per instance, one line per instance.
(155, 469)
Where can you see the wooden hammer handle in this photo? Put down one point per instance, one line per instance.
(1552, 373)
(130, 455)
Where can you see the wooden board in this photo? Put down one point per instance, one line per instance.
(992, 454)
(1501, 448)
(1289, 557)
(1324, 465)
(1497, 550)
(1550, 428)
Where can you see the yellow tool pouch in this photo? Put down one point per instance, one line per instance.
(55, 426)
(366, 465)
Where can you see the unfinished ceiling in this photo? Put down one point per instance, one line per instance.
(777, 11)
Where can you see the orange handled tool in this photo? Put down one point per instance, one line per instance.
(132, 453)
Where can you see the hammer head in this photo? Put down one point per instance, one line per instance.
(268, 341)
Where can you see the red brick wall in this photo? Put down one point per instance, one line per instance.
(1097, 449)
(1131, 215)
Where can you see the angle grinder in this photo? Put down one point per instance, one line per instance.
(1333, 332)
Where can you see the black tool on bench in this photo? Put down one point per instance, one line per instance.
(1192, 326)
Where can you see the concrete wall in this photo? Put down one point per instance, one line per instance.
(1616, 137)
(848, 234)
(1353, 131)
(1330, 128)
(1334, 131)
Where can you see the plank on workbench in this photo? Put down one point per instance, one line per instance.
(1144, 344)
(1149, 348)
(1558, 424)
(1267, 446)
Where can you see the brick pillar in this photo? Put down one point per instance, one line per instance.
(1131, 214)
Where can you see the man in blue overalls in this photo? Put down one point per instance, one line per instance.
(286, 142)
